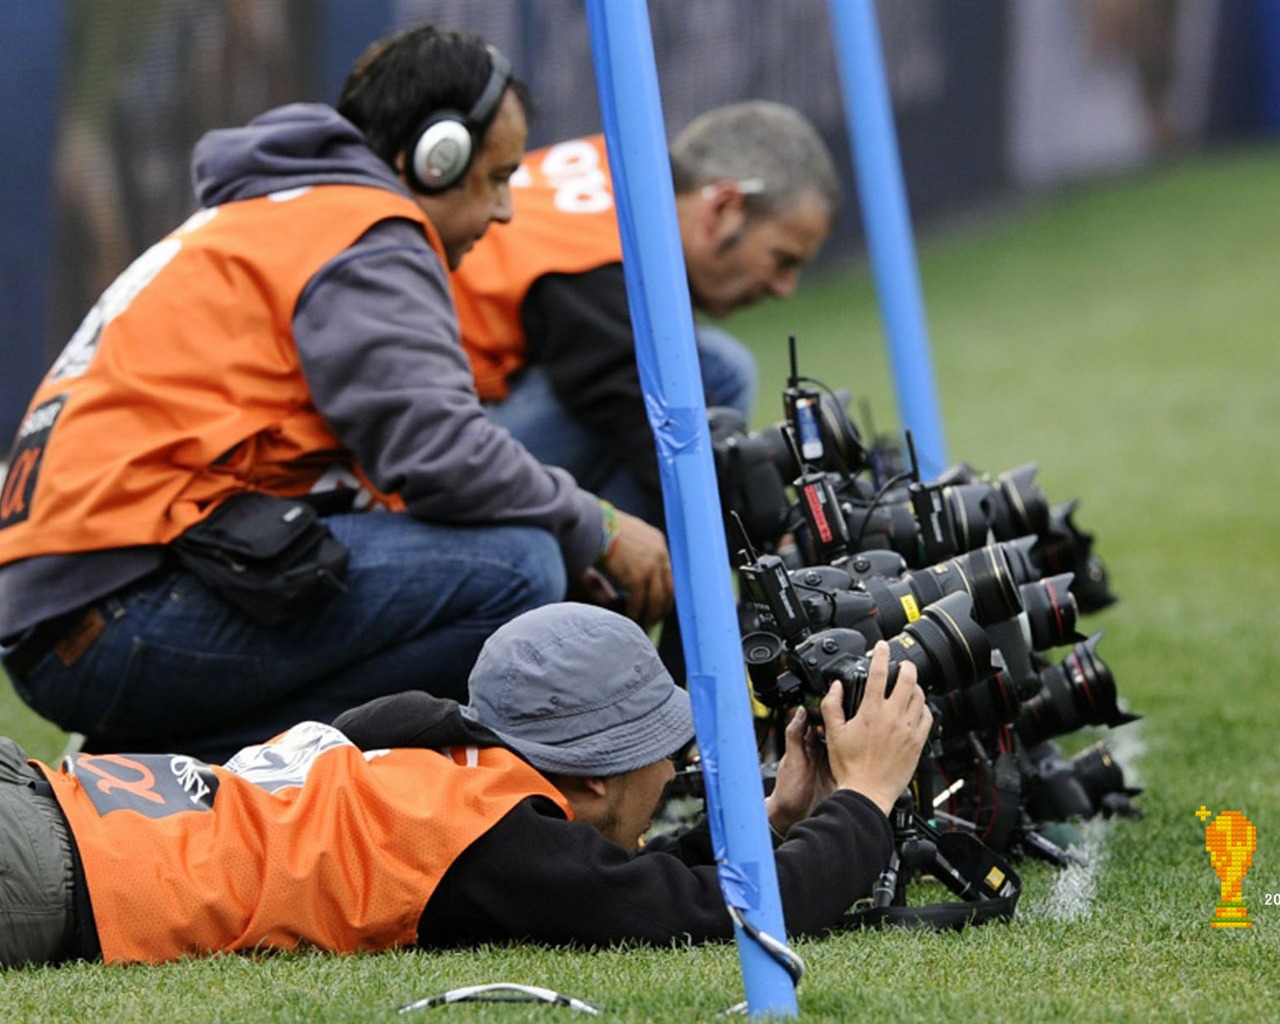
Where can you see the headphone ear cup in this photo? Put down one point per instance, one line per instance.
(442, 154)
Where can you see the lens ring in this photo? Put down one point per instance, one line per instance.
(957, 501)
(1004, 574)
(987, 569)
(1054, 604)
(958, 632)
(1011, 492)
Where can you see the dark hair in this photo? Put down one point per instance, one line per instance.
(401, 80)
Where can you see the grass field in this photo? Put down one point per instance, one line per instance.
(1125, 337)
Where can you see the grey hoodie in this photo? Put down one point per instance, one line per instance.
(377, 337)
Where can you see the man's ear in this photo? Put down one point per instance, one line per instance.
(594, 786)
(398, 167)
(723, 210)
(588, 797)
(587, 787)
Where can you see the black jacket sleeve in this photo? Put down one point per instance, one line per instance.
(536, 877)
(578, 328)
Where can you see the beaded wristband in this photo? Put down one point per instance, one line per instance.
(612, 530)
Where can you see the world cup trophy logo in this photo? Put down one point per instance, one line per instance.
(1231, 840)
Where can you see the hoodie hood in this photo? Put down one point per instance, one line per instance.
(293, 146)
(412, 719)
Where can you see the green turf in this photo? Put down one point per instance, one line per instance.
(1125, 337)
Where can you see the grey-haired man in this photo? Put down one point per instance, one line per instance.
(413, 820)
(542, 300)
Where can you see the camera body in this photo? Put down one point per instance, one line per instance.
(792, 663)
(851, 496)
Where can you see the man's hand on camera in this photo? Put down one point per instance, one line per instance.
(876, 751)
(641, 566)
(803, 778)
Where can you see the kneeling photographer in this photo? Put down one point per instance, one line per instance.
(282, 367)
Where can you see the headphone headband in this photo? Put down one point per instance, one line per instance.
(499, 74)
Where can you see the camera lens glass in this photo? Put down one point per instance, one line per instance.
(1051, 611)
(1080, 690)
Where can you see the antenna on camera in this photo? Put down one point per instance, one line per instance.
(911, 455)
(748, 551)
(801, 405)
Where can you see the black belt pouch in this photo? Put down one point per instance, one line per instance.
(271, 557)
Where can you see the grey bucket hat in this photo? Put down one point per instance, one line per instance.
(578, 690)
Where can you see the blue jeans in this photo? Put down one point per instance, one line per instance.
(557, 437)
(177, 668)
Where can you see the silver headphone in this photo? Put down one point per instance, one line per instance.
(448, 141)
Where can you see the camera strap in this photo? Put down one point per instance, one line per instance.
(987, 885)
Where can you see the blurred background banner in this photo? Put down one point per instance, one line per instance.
(993, 99)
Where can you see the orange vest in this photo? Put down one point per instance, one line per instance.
(182, 386)
(564, 223)
(303, 840)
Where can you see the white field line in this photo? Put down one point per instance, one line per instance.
(1073, 893)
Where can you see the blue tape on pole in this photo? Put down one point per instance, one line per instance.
(676, 431)
(662, 319)
(739, 883)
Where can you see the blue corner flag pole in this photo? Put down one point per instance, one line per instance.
(662, 318)
(883, 198)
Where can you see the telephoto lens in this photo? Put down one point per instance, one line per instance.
(946, 644)
(1080, 690)
(1102, 779)
(1013, 503)
(1091, 783)
(1051, 612)
(882, 607)
(924, 523)
(1064, 547)
(1020, 507)
(984, 574)
(984, 705)
(948, 647)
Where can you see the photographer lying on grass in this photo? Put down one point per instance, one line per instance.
(412, 819)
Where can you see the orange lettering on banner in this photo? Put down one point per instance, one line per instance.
(12, 500)
(141, 786)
